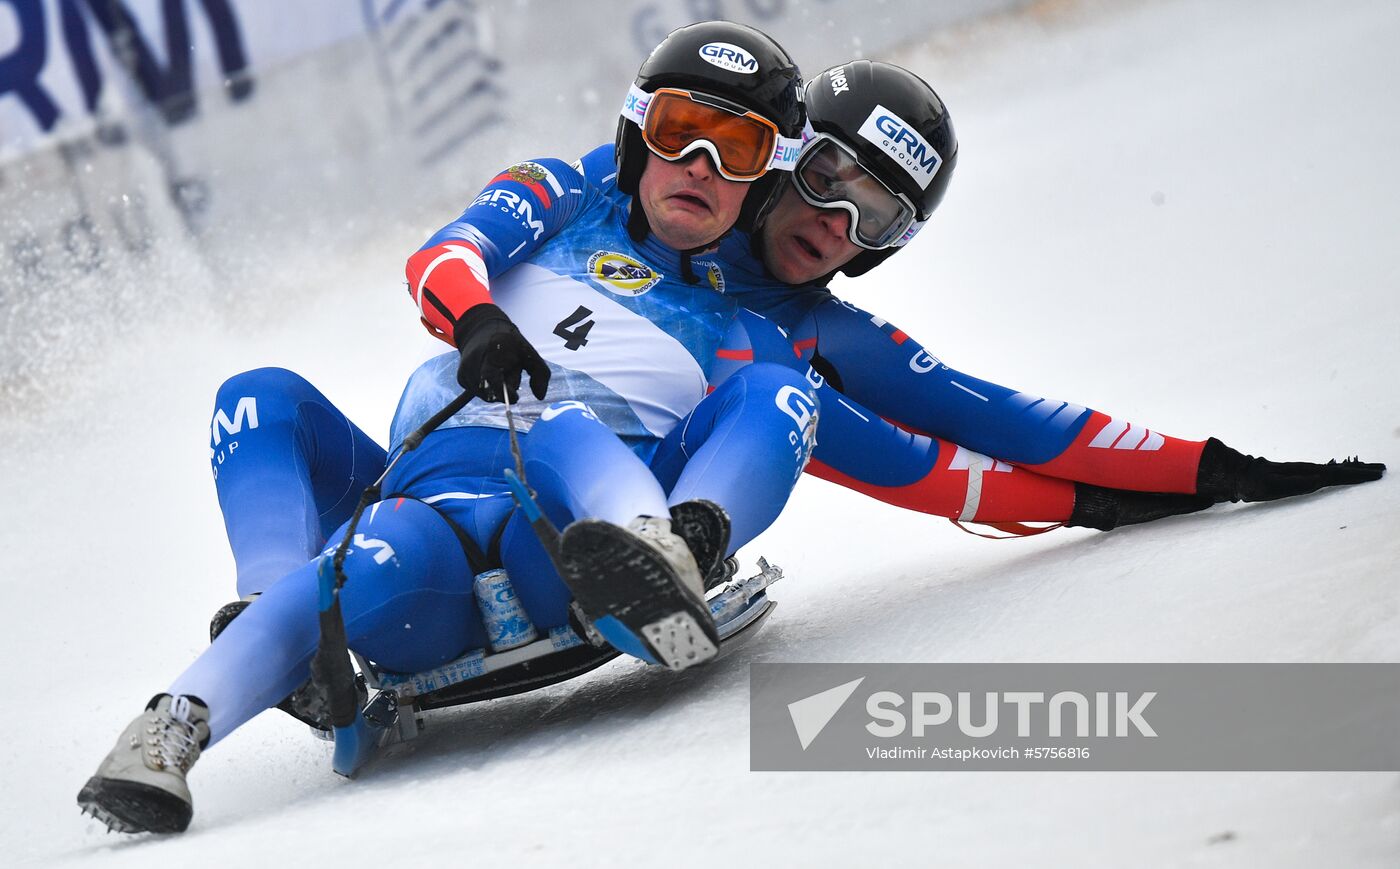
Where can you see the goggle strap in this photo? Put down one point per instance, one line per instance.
(786, 153)
(634, 108)
(909, 233)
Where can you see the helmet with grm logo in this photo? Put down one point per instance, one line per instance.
(741, 69)
(899, 131)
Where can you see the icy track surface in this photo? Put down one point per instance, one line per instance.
(1180, 212)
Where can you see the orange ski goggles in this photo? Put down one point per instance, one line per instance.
(743, 144)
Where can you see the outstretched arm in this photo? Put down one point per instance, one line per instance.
(876, 363)
(858, 449)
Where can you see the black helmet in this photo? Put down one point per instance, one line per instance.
(898, 129)
(731, 61)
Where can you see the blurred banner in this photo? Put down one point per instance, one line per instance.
(162, 154)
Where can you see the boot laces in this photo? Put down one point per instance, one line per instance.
(672, 546)
(651, 530)
(171, 740)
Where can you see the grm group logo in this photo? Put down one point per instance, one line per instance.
(923, 362)
(893, 135)
(512, 204)
(801, 408)
(245, 411)
(729, 57)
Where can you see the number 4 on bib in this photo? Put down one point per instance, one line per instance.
(574, 328)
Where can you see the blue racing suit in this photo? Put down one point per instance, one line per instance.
(901, 426)
(635, 419)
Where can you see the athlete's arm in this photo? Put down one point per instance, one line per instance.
(521, 208)
(890, 372)
(859, 450)
(872, 360)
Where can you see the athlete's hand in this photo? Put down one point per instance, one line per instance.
(1106, 509)
(495, 354)
(1228, 475)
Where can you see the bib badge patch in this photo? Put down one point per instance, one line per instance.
(538, 179)
(713, 274)
(526, 173)
(620, 274)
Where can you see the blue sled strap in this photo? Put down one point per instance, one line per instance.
(330, 667)
(354, 743)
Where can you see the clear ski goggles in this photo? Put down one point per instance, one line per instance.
(742, 144)
(830, 175)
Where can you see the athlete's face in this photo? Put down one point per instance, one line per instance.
(688, 203)
(802, 242)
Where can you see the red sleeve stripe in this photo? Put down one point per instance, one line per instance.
(742, 355)
(898, 336)
(453, 251)
(535, 187)
(533, 176)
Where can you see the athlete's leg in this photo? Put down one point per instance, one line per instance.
(743, 447)
(289, 467)
(407, 603)
(533, 575)
(579, 469)
(631, 574)
(582, 470)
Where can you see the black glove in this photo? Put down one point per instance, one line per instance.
(1106, 509)
(1227, 475)
(494, 354)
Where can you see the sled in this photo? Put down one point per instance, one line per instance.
(398, 702)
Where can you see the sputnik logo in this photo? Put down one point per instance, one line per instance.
(811, 715)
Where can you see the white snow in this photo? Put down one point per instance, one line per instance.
(1182, 212)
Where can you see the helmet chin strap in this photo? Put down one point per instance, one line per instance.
(687, 272)
(637, 224)
(639, 227)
